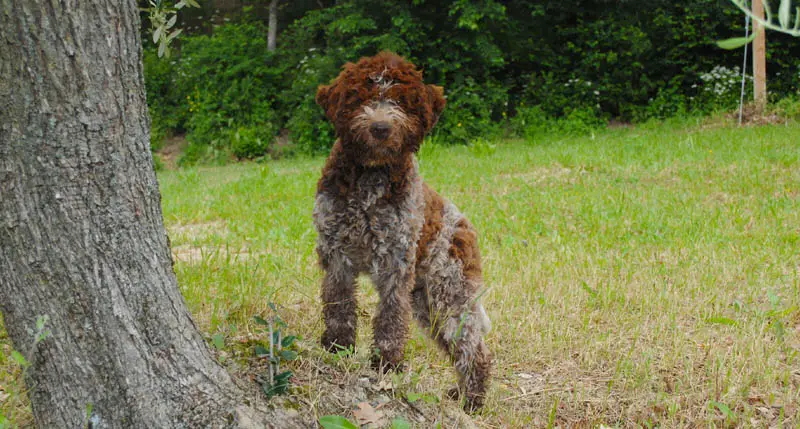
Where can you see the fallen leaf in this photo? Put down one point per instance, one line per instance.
(366, 414)
(386, 385)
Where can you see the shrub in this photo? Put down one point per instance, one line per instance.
(251, 142)
(308, 128)
(471, 112)
(789, 107)
(530, 121)
(581, 121)
(231, 83)
(720, 89)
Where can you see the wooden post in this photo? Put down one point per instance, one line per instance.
(759, 57)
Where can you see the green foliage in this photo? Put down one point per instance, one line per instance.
(787, 20)
(581, 64)
(336, 422)
(532, 122)
(789, 107)
(307, 125)
(470, 112)
(279, 350)
(720, 89)
(163, 19)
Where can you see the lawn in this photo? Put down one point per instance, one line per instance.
(644, 276)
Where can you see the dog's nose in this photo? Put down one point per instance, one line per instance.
(380, 130)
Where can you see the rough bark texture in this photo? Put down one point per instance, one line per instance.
(81, 231)
(272, 33)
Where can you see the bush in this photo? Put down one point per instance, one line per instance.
(251, 142)
(471, 112)
(530, 122)
(579, 63)
(789, 107)
(222, 86)
(720, 89)
(668, 102)
(308, 128)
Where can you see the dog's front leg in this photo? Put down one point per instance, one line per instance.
(339, 303)
(391, 321)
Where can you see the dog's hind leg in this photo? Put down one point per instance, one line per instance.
(460, 334)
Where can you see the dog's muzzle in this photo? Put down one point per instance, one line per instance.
(380, 130)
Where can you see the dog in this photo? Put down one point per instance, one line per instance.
(375, 215)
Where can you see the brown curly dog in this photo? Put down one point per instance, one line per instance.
(375, 215)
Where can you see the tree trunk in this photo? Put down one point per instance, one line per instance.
(759, 58)
(272, 33)
(82, 238)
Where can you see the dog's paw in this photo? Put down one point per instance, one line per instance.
(383, 366)
(335, 345)
(473, 403)
(454, 393)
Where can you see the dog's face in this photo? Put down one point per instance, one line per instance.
(381, 108)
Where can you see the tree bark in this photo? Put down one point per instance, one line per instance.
(82, 238)
(272, 33)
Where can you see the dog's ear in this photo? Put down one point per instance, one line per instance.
(323, 98)
(437, 102)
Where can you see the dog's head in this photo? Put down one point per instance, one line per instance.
(381, 108)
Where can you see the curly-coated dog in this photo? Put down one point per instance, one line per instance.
(375, 215)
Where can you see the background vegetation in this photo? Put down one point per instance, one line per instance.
(506, 66)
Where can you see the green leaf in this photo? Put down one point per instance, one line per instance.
(162, 49)
(336, 422)
(172, 21)
(218, 340)
(174, 34)
(736, 42)
(400, 423)
(288, 355)
(260, 320)
(724, 409)
(19, 359)
(157, 34)
(283, 377)
(40, 322)
(785, 13)
(261, 351)
(192, 3)
(589, 290)
(721, 320)
(288, 341)
(413, 397)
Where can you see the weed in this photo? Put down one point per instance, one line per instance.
(278, 351)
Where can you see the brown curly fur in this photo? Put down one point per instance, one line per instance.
(375, 215)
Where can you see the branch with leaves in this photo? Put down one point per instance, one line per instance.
(163, 18)
(783, 22)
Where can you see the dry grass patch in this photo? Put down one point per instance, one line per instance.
(647, 277)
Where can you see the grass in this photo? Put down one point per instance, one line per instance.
(639, 277)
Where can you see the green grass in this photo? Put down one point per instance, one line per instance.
(646, 276)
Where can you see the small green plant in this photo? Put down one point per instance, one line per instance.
(277, 351)
(481, 147)
(339, 422)
(39, 334)
(336, 422)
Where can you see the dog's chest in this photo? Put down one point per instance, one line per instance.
(365, 225)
